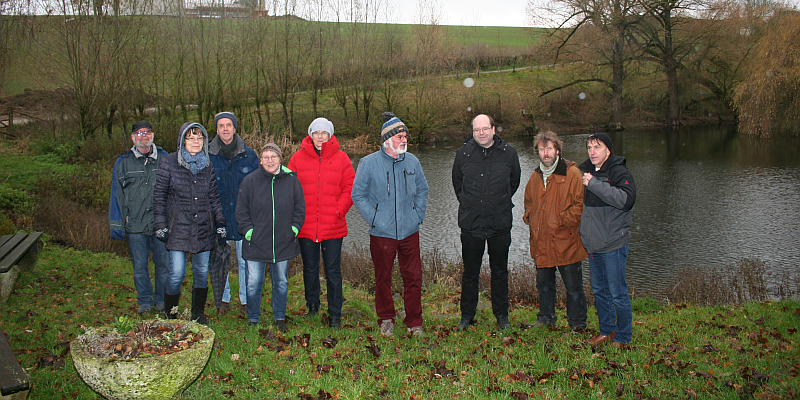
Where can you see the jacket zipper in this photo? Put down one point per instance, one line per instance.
(272, 190)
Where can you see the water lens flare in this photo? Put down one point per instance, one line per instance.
(469, 82)
(582, 95)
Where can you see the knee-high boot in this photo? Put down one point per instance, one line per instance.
(171, 301)
(199, 305)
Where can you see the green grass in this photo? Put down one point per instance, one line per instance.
(739, 351)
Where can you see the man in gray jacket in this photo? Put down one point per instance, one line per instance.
(605, 230)
(130, 214)
(391, 193)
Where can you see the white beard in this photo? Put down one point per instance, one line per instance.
(400, 149)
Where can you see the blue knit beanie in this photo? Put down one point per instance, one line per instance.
(391, 126)
(226, 114)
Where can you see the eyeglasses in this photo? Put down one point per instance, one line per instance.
(401, 137)
(484, 129)
(142, 132)
(270, 158)
(194, 139)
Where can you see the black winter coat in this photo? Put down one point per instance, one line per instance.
(484, 181)
(274, 207)
(188, 205)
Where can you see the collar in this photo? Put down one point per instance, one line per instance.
(153, 152)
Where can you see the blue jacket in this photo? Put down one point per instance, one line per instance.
(130, 209)
(229, 178)
(391, 194)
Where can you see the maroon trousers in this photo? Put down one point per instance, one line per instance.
(384, 251)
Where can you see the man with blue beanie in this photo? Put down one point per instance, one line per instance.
(232, 160)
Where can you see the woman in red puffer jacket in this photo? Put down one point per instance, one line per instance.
(326, 174)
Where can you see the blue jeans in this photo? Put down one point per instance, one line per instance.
(177, 270)
(226, 295)
(572, 276)
(607, 272)
(332, 260)
(141, 246)
(255, 282)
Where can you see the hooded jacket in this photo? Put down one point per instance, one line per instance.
(273, 207)
(187, 204)
(130, 209)
(327, 180)
(485, 179)
(554, 215)
(607, 204)
(230, 174)
(391, 194)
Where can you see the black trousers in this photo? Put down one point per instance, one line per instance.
(472, 249)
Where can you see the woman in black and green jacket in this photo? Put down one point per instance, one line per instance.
(270, 212)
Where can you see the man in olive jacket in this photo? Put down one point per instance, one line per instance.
(486, 174)
(553, 207)
(130, 214)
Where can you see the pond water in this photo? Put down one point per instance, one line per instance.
(706, 196)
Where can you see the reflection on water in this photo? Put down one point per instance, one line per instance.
(706, 197)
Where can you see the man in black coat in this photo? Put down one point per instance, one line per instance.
(486, 174)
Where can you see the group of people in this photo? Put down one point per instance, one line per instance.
(193, 201)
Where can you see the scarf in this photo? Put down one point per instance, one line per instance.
(546, 172)
(196, 162)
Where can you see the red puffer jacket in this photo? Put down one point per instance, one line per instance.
(327, 180)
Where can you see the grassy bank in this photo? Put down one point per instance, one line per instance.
(678, 351)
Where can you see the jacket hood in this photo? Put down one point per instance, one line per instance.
(214, 145)
(328, 148)
(182, 133)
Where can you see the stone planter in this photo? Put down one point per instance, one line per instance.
(153, 377)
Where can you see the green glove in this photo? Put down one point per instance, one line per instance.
(249, 234)
(295, 230)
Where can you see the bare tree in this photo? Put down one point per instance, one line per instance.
(610, 23)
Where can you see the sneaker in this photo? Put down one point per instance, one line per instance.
(502, 322)
(159, 307)
(224, 307)
(252, 323)
(465, 323)
(540, 323)
(243, 310)
(416, 331)
(387, 327)
(335, 323)
(145, 308)
(281, 325)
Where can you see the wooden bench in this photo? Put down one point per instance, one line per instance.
(18, 252)
(14, 381)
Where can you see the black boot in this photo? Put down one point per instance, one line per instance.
(170, 301)
(199, 305)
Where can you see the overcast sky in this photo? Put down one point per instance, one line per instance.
(467, 12)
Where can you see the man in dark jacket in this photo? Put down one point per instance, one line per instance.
(553, 206)
(486, 174)
(130, 214)
(608, 198)
(232, 160)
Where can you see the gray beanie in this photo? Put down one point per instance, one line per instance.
(273, 148)
(320, 124)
